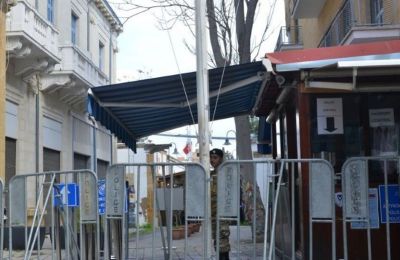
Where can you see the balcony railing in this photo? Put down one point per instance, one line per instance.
(290, 37)
(348, 20)
(340, 26)
(292, 5)
(77, 62)
(23, 20)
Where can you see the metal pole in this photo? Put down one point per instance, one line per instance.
(203, 107)
(387, 210)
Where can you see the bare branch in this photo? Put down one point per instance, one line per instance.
(224, 18)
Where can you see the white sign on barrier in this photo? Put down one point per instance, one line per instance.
(228, 191)
(115, 192)
(356, 189)
(195, 191)
(321, 190)
(87, 184)
(373, 213)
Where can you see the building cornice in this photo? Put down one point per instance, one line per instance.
(109, 14)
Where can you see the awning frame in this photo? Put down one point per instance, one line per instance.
(132, 110)
(260, 76)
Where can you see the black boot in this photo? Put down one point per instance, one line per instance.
(224, 256)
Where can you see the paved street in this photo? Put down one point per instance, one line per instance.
(194, 249)
(195, 246)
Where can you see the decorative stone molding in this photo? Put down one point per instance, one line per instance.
(52, 82)
(49, 68)
(10, 3)
(15, 48)
(33, 82)
(26, 67)
(109, 14)
(76, 97)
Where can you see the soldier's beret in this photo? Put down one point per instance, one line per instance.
(218, 152)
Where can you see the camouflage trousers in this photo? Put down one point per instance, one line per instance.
(224, 233)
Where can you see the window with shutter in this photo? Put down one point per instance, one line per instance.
(388, 11)
(376, 11)
(50, 11)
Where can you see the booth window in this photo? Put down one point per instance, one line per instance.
(370, 128)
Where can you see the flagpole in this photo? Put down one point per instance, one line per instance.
(203, 108)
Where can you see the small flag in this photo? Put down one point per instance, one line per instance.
(188, 148)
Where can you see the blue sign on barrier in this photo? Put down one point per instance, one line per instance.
(66, 195)
(101, 190)
(101, 187)
(393, 203)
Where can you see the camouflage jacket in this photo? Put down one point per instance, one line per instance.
(224, 231)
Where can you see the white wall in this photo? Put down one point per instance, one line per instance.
(55, 117)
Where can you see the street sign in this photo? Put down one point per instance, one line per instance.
(329, 116)
(393, 203)
(66, 195)
(101, 186)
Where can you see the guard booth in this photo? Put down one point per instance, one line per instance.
(336, 103)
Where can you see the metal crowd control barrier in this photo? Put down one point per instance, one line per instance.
(356, 193)
(279, 203)
(188, 197)
(62, 203)
(2, 218)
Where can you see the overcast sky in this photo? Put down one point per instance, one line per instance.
(145, 51)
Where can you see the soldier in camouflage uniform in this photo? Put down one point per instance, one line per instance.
(216, 158)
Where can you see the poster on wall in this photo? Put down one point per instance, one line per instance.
(384, 132)
(381, 117)
(330, 116)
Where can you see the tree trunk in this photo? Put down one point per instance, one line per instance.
(248, 182)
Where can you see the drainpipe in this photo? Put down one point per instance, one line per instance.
(94, 157)
(37, 130)
(110, 59)
(72, 142)
(111, 150)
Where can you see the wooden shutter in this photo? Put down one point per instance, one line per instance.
(11, 158)
(388, 11)
(80, 161)
(101, 169)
